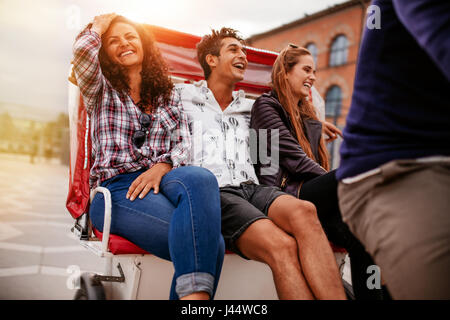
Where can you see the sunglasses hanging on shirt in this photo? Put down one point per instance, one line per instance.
(140, 135)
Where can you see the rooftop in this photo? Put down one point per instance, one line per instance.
(307, 18)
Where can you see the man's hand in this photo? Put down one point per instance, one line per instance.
(331, 131)
(148, 180)
(101, 23)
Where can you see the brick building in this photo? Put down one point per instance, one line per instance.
(333, 36)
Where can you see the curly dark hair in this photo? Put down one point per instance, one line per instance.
(211, 44)
(156, 82)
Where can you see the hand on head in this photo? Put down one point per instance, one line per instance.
(101, 23)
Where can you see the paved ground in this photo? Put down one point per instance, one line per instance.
(38, 253)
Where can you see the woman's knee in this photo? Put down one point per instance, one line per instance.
(197, 177)
(195, 185)
(202, 176)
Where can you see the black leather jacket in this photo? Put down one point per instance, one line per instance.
(295, 166)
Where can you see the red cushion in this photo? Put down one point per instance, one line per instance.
(337, 249)
(119, 245)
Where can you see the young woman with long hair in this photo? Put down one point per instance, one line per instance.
(140, 142)
(303, 161)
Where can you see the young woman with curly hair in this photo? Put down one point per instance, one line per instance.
(303, 162)
(140, 142)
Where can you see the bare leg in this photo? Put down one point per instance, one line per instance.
(263, 241)
(299, 218)
(196, 296)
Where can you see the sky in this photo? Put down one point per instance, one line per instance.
(36, 37)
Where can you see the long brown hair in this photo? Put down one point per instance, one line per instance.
(298, 112)
(156, 82)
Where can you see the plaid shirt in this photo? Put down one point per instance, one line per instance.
(114, 118)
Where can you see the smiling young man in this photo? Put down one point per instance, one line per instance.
(258, 222)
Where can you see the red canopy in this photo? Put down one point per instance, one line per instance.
(179, 51)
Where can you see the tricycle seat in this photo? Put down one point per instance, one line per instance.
(119, 245)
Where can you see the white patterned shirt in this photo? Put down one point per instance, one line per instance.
(220, 139)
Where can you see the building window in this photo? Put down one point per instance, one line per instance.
(313, 49)
(333, 102)
(339, 51)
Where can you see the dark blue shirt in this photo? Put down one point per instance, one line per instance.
(400, 106)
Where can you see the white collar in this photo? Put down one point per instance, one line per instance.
(239, 94)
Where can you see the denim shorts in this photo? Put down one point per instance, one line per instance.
(243, 205)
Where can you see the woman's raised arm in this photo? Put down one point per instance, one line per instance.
(86, 65)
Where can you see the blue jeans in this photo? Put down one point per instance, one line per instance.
(182, 223)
